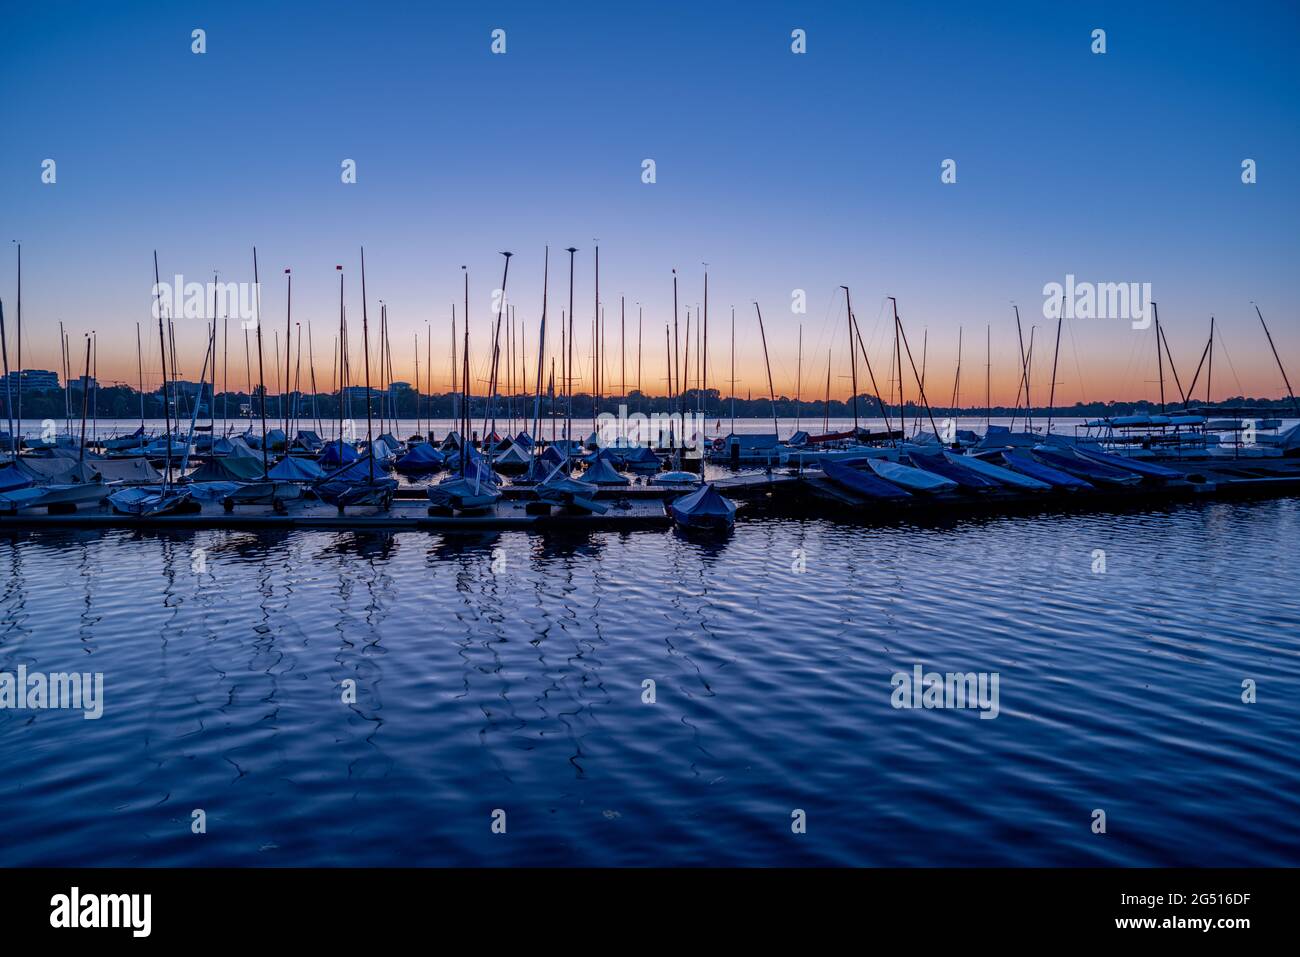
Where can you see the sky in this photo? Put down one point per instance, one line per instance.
(782, 171)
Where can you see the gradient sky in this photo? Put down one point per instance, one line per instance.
(781, 171)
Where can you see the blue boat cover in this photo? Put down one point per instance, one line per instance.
(705, 506)
(329, 457)
(422, 457)
(862, 482)
(295, 469)
(1026, 463)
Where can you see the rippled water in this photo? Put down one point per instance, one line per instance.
(521, 690)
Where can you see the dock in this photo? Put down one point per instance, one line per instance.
(505, 515)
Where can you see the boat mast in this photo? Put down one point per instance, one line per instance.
(622, 348)
(956, 381)
(912, 362)
(798, 379)
(988, 376)
(9, 407)
(853, 357)
(770, 387)
(20, 346)
(261, 369)
(339, 357)
(875, 386)
(311, 367)
(162, 345)
(568, 367)
(1024, 373)
(1056, 355)
(465, 386)
(640, 398)
(85, 392)
(365, 347)
(139, 365)
(826, 418)
(541, 350)
(733, 370)
(288, 350)
(1276, 358)
(704, 352)
(1160, 362)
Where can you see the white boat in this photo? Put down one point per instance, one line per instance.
(912, 479)
(46, 496)
(997, 472)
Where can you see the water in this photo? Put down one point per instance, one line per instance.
(522, 691)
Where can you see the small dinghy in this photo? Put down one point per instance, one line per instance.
(464, 494)
(420, 460)
(996, 473)
(676, 479)
(342, 493)
(146, 501)
(1067, 460)
(965, 477)
(1145, 469)
(602, 473)
(54, 497)
(863, 483)
(705, 508)
(912, 479)
(295, 469)
(559, 489)
(335, 454)
(513, 460)
(1025, 463)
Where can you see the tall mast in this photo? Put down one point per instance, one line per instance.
(1160, 360)
(770, 387)
(162, 344)
(288, 343)
(704, 352)
(676, 353)
(853, 357)
(826, 419)
(640, 398)
(311, 366)
(365, 354)
(465, 386)
(20, 346)
(1209, 370)
(568, 367)
(733, 370)
(541, 349)
(898, 354)
(622, 348)
(261, 372)
(457, 399)
(798, 379)
(139, 365)
(496, 344)
(902, 333)
(1056, 355)
(1024, 371)
(342, 339)
(9, 401)
(988, 376)
(596, 368)
(85, 392)
(1276, 357)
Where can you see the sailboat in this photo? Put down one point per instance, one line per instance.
(147, 501)
(705, 508)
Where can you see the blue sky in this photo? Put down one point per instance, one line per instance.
(781, 171)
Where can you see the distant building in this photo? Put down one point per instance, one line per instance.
(357, 393)
(30, 380)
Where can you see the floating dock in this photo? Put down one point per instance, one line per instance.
(313, 514)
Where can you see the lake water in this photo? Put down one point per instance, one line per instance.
(506, 672)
